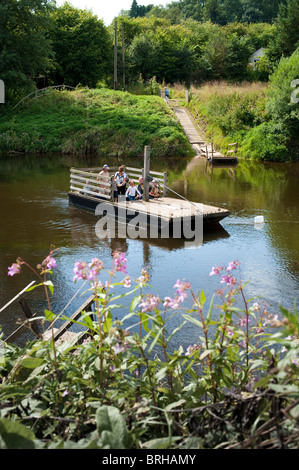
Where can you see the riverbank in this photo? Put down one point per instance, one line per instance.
(93, 121)
(248, 114)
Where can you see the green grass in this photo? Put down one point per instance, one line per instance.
(97, 121)
(237, 113)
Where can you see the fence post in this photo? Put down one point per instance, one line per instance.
(146, 170)
(165, 184)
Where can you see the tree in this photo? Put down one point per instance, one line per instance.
(82, 46)
(134, 9)
(287, 27)
(25, 50)
(283, 100)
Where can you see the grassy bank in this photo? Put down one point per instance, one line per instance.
(93, 121)
(238, 113)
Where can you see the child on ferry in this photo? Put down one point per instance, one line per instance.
(132, 192)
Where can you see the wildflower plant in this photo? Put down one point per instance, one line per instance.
(129, 384)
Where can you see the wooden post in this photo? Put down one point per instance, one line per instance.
(146, 170)
(115, 56)
(187, 96)
(28, 314)
(165, 184)
(123, 53)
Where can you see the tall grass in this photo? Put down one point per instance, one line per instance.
(237, 112)
(93, 121)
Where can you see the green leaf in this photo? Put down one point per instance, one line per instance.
(210, 310)
(176, 404)
(158, 334)
(205, 353)
(202, 298)
(161, 443)
(15, 435)
(31, 362)
(111, 427)
(50, 285)
(193, 320)
(108, 322)
(135, 302)
(50, 316)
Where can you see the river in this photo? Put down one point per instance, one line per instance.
(35, 213)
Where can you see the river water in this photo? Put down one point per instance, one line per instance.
(35, 213)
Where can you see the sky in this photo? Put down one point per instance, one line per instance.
(107, 10)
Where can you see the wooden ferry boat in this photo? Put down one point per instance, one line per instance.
(85, 193)
(91, 191)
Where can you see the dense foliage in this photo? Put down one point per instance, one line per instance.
(262, 119)
(47, 45)
(81, 45)
(25, 50)
(135, 388)
(217, 11)
(93, 121)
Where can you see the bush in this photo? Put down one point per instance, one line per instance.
(130, 389)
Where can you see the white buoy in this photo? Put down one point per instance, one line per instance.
(259, 219)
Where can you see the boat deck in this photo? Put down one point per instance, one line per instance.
(165, 208)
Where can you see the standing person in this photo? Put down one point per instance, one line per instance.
(105, 178)
(132, 191)
(166, 94)
(121, 179)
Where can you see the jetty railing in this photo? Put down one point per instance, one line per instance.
(20, 298)
(41, 92)
(88, 181)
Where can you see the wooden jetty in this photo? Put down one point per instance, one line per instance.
(62, 335)
(163, 211)
(198, 142)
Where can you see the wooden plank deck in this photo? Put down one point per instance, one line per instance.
(197, 141)
(169, 208)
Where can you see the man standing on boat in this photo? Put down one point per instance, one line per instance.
(121, 179)
(104, 178)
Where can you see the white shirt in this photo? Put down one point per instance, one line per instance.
(132, 191)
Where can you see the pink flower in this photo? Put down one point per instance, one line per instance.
(80, 271)
(191, 349)
(149, 303)
(243, 321)
(256, 306)
(15, 268)
(229, 280)
(120, 261)
(95, 268)
(126, 281)
(215, 270)
(181, 290)
(49, 262)
(168, 302)
(232, 265)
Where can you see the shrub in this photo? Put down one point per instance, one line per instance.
(237, 387)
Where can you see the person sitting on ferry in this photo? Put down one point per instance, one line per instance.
(132, 191)
(121, 179)
(140, 187)
(155, 191)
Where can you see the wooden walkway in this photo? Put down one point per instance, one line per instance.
(197, 141)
